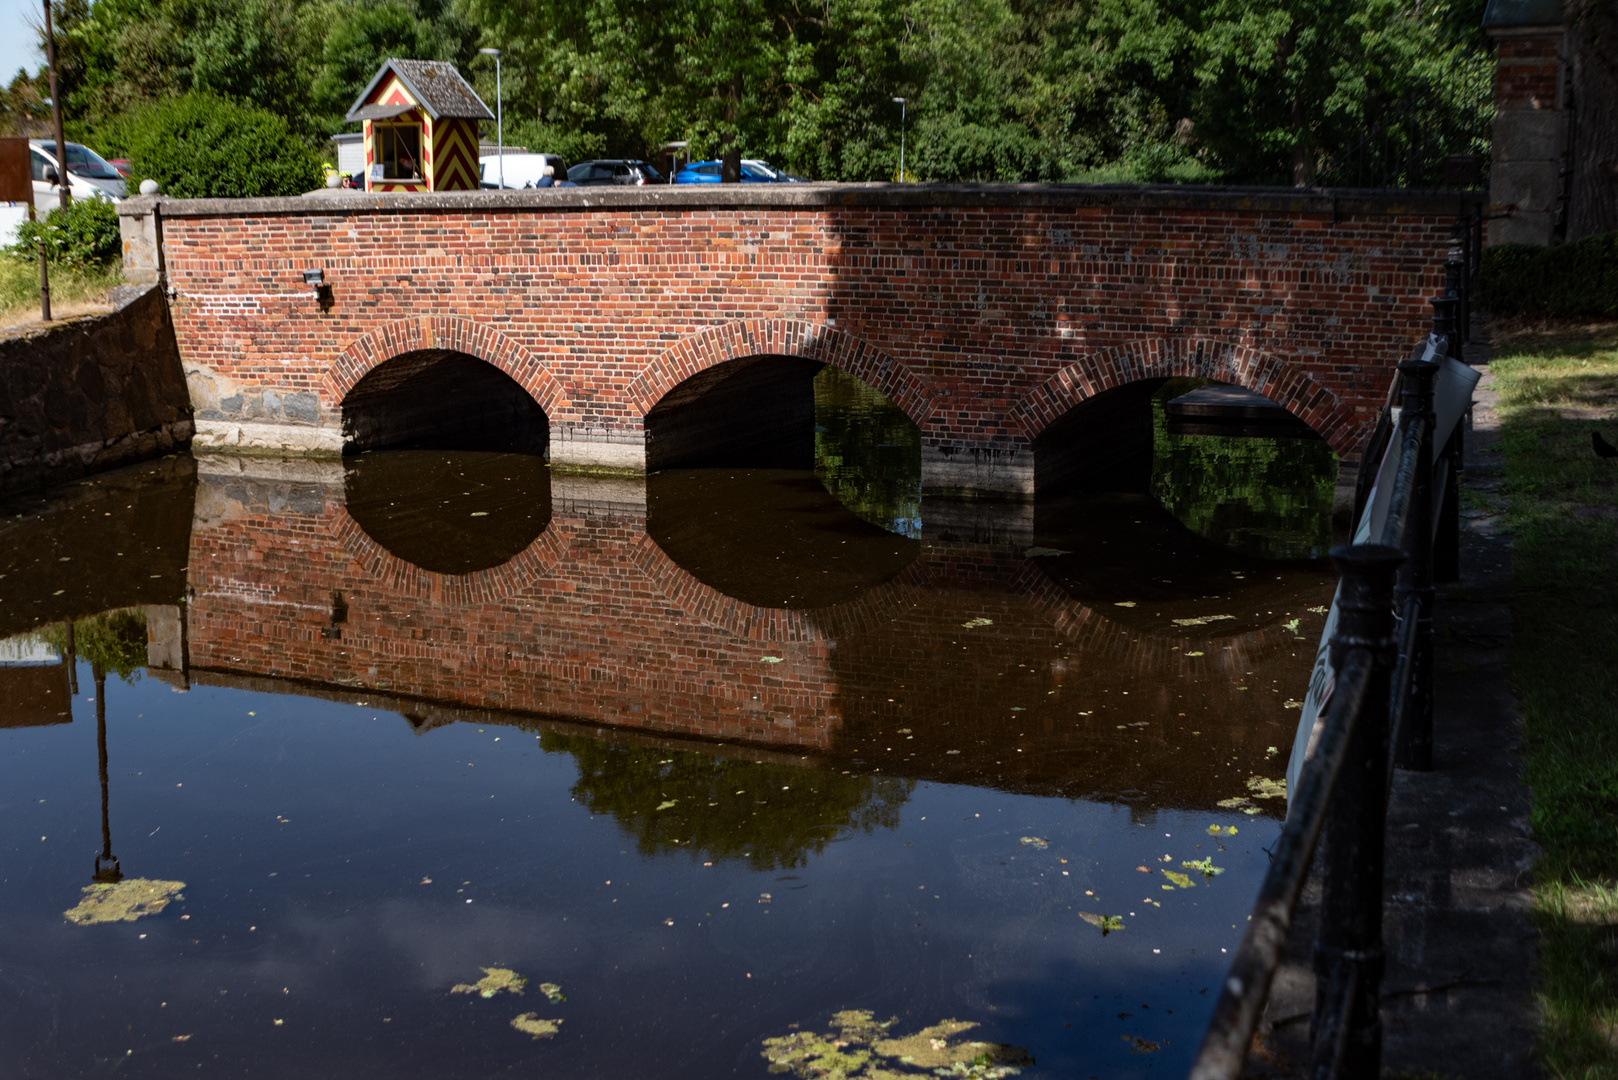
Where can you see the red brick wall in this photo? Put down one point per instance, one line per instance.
(984, 316)
(1527, 72)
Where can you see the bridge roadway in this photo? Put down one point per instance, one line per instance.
(644, 327)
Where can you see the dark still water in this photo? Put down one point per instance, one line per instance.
(434, 764)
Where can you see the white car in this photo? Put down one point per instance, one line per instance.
(521, 170)
(88, 176)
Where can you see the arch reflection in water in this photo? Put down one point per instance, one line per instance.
(450, 512)
(771, 537)
(796, 538)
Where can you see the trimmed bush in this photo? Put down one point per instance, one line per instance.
(83, 237)
(202, 146)
(1568, 280)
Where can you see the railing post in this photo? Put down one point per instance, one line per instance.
(1346, 1028)
(1455, 286)
(1415, 749)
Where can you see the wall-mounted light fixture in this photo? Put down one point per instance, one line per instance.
(316, 280)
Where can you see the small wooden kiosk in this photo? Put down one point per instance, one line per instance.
(421, 128)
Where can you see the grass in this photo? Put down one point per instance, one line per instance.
(72, 291)
(1558, 383)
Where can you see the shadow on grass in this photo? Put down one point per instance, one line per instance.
(1557, 383)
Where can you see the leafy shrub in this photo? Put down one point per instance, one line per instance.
(202, 146)
(1569, 280)
(84, 236)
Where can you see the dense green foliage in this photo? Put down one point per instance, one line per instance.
(84, 236)
(199, 146)
(1158, 90)
(115, 640)
(1578, 279)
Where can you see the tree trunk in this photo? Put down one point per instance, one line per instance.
(1594, 204)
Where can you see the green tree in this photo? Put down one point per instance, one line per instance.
(202, 146)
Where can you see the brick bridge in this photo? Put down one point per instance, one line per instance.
(633, 328)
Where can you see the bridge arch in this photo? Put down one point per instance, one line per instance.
(1283, 382)
(433, 332)
(782, 337)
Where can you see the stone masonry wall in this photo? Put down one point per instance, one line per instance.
(986, 313)
(92, 394)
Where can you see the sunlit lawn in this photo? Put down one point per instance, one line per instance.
(1557, 384)
(72, 291)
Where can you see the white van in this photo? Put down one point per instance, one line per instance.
(521, 170)
(89, 177)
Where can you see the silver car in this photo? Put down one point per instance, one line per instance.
(88, 175)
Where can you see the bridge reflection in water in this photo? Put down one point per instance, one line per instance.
(829, 725)
(1095, 648)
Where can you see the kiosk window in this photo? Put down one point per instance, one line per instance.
(398, 150)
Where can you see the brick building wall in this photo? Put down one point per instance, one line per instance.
(985, 313)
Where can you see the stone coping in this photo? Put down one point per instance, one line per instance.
(1336, 202)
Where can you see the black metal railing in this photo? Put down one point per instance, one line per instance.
(1378, 714)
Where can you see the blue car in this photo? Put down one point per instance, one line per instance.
(709, 172)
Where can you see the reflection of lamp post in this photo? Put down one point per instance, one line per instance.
(107, 870)
(899, 101)
(499, 115)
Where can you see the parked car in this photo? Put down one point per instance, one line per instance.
(521, 170)
(88, 176)
(711, 172)
(613, 171)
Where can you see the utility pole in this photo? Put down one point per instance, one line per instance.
(65, 194)
(499, 116)
(899, 101)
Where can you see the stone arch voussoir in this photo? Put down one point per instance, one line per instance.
(782, 337)
(1283, 382)
(455, 335)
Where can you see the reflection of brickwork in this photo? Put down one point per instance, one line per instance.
(982, 314)
(572, 626)
(595, 623)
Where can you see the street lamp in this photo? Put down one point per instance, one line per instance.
(899, 101)
(499, 115)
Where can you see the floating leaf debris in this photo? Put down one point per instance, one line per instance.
(1105, 923)
(1200, 620)
(552, 992)
(531, 1024)
(857, 1048)
(972, 624)
(1205, 867)
(1036, 842)
(494, 980)
(1179, 879)
(1221, 830)
(1267, 789)
(125, 901)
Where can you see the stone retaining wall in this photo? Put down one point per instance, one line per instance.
(92, 394)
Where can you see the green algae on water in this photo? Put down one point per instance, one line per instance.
(1267, 789)
(125, 901)
(494, 980)
(857, 1048)
(1205, 867)
(1105, 923)
(531, 1024)
(1179, 879)
(552, 992)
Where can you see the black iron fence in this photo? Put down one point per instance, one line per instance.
(1378, 713)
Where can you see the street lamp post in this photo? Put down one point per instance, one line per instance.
(499, 115)
(899, 101)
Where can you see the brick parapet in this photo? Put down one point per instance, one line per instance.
(966, 305)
